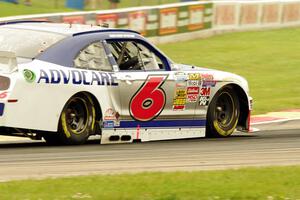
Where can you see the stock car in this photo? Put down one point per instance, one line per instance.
(66, 82)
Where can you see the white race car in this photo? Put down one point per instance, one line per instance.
(66, 82)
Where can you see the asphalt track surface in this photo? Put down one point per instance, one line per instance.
(271, 146)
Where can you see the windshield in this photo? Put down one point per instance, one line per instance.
(27, 44)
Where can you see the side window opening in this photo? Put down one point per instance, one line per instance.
(93, 57)
(130, 55)
(149, 60)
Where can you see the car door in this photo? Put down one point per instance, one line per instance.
(151, 95)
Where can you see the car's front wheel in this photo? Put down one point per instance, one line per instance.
(223, 113)
(77, 121)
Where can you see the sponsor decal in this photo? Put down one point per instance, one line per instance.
(3, 95)
(29, 75)
(204, 96)
(181, 93)
(194, 77)
(203, 101)
(149, 101)
(76, 77)
(108, 124)
(179, 101)
(111, 115)
(192, 94)
(178, 107)
(122, 36)
(209, 83)
(208, 80)
(205, 92)
(138, 21)
(193, 90)
(193, 83)
(192, 98)
(168, 21)
(207, 76)
(196, 17)
(181, 84)
(74, 19)
(180, 77)
(110, 19)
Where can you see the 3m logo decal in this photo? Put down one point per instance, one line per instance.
(205, 92)
(150, 99)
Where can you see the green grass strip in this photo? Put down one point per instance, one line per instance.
(252, 183)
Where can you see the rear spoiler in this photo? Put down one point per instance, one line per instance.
(8, 62)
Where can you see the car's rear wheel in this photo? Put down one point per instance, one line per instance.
(77, 122)
(223, 113)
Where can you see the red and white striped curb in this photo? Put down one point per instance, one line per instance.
(274, 117)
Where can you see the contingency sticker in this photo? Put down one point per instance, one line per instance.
(108, 124)
(180, 77)
(192, 94)
(204, 96)
(193, 89)
(180, 99)
(111, 117)
(194, 79)
(195, 76)
(208, 80)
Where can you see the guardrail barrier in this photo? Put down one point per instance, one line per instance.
(187, 20)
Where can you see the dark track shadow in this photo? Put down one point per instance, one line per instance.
(38, 144)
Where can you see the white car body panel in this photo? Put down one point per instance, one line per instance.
(36, 104)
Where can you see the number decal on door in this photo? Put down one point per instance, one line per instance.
(150, 99)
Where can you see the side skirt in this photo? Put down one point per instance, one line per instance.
(116, 136)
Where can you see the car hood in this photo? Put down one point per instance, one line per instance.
(183, 67)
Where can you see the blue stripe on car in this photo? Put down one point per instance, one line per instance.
(163, 124)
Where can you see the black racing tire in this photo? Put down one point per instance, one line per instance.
(77, 122)
(223, 113)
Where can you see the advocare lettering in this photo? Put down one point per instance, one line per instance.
(77, 77)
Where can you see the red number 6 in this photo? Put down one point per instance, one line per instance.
(149, 100)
